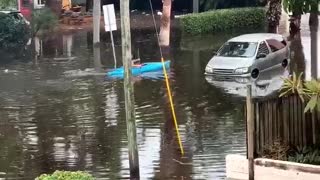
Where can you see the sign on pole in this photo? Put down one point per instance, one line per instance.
(109, 18)
(110, 25)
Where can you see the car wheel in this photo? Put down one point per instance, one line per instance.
(255, 73)
(284, 63)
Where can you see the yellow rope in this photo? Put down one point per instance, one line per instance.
(167, 83)
(172, 106)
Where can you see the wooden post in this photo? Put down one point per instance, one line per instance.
(250, 132)
(96, 21)
(128, 89)
(164, 34)
(195, 6)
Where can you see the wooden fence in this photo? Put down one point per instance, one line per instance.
(283, 119)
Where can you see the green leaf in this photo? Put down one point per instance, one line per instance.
(311, 104)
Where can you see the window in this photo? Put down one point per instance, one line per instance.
(39, 4)
(238, 49)
(275, 45)
(25, 3)
(263, 48)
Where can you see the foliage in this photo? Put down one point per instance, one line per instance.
(309, 90)
(14, 32)
(306, 155)
(274, 12)
(223, 20)
(66, 175)
(292, 85)
(43, 19)
(278, 150)
(299, 7)
(8, 4)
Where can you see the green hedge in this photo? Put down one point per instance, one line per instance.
(224, 20)
(66, 175)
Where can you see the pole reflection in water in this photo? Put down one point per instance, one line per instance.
(97, 58)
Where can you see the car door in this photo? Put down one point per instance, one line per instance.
(262, 61)
(278, 51)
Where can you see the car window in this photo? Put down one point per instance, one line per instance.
(263, 48)
(275, 45)
(238, 49)
(25, 3)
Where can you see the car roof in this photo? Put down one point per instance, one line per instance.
(256, 37)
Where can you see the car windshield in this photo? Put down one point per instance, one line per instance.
(238, 49)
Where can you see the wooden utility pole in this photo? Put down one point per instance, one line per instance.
(128, 90)
(195, 4)
(250, 132)
(165, 23)
(96, 21)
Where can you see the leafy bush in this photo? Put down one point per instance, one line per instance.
(224, 20)
(14, 32)
(306, 155)
(43, 20)
(66, 175)
(309, 91)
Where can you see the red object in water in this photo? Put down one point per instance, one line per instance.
(25, 7)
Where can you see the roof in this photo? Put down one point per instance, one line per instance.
(257, 37)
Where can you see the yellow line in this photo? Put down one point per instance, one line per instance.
(172, 106)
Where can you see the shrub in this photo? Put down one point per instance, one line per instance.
(66, 175)
(277, 150)
(43, 20)
(14, 32)
(224, 20)
(306, 155)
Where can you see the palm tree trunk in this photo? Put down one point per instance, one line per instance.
(314, 27)
(55, 6)
(274, 15)
(165, 23)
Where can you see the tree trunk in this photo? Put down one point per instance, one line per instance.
(314, 27)
(165, 23)
(55, 6)
(274, 15)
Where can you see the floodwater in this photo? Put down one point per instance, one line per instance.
(59, 112)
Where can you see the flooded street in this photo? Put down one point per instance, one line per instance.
(59, 111)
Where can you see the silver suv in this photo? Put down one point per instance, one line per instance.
(248, 55)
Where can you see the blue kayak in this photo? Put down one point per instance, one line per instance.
(139, 70)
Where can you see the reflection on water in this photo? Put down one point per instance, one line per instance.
(58, 111)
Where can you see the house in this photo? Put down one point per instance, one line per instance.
(26, 6)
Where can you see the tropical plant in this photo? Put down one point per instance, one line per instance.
(43, 19)
(66, 175)
(14, 32)
(308, 91)
(293, 85)
(306, 155)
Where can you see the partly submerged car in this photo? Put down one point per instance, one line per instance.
(248, 55)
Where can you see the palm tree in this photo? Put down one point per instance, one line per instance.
(273, 15)
(314, 27)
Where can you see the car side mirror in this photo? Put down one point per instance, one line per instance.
(261, 55)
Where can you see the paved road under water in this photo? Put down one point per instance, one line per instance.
(59, 111)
